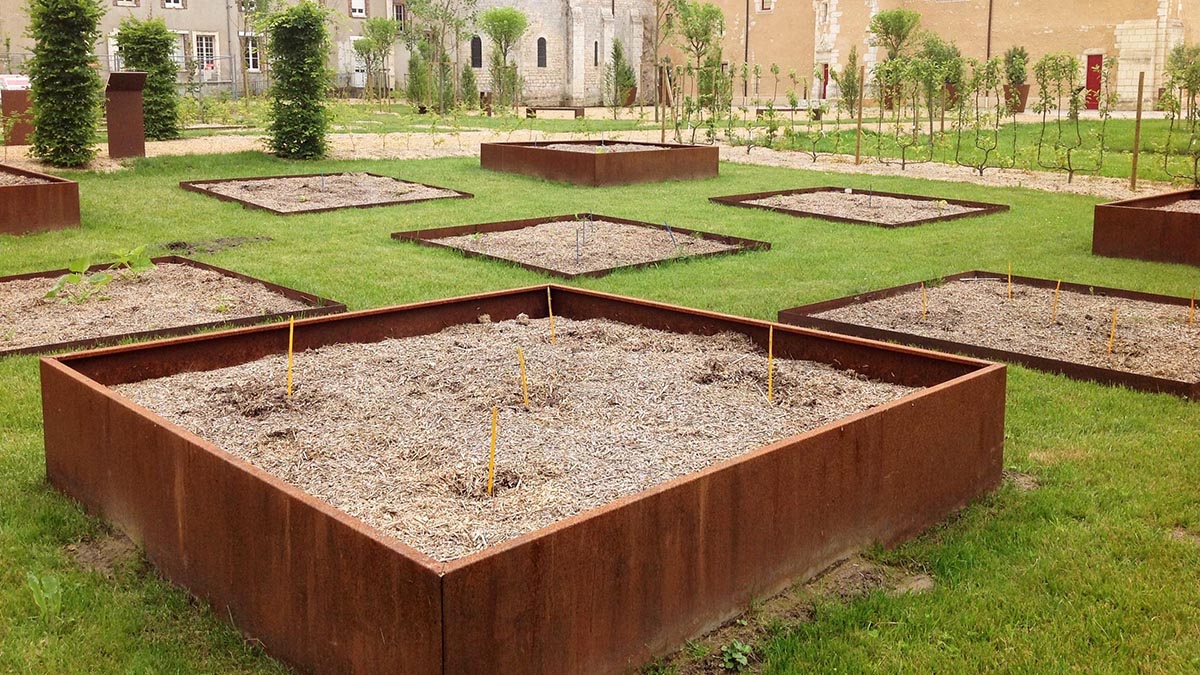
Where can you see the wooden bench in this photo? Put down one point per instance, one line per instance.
(532, 111)
(801, 106)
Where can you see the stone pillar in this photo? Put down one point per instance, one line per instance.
(577, 50)
(634, 50)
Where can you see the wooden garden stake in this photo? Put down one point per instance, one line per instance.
(291, 336)
(1054, 312)
(492, 455)
(1137, 133)
(1010, 281)
(1192, 310)
(924, 302)
(862, 75)
(550, 307)
(771, 364)
(524, 386)
(1112, 335)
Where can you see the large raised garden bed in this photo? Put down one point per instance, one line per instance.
(1154, 347)
(622, 574)
(862, 207)
(320, 193)
(601, 163)
(580, 244)
(177, 297)
(34, 202)
(1163, 228)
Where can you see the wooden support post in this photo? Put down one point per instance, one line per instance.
(291, 336)
(1137, 132)
(862, 86)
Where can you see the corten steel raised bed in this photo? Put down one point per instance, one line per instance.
(53, 205)
(985, 208)
(318, 306)
(1139, 228)
(670, 162)
(198, 186)
(600, 592)
(427, 237)
(805, 316)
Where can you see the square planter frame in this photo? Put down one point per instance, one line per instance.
(804, 315)
(1136, 228)
(427, 237)
(985, 208)
(198, 186)
(672, 161)
(53, 205)
(603, 591)
(318, 306)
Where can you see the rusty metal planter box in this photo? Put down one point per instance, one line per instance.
(53, 205)
(427, 237)
(318, 306)
(600, 592)
(670, 162)
(1139, 228)
(984, 208)
(805, 316)
(201, 187)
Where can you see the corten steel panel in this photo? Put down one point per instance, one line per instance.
(427, 237)
(805, 315)
(317, 306)
(1139, 229)
(15, 103)
(126, 120)
(53, 205)
(984, 208)
(670, 162)
(600, 592)
(199, 186)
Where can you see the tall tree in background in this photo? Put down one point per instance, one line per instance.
(699, 27)
(442, 24)
(298, 39)
(893, 30)
(148, 46)
(379, 35)
(252, 14)
(64, 86)
(504, 26)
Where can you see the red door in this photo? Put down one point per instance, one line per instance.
(1094, 63)
(824, 80)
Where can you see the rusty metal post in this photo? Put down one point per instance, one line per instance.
(1137, 132)
(862, 87)
(126, 122)
(15, 105)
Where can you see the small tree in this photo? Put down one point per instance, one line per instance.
(148, 46)
(65, 87)
(504, 26)
(299, 45)
(1016, 73)
(418, 89)
(699, 26)
(892, 30)
(468, 87)
(848, 83)
(619, 77)
(379, 35)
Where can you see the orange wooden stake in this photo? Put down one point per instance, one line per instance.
(492, 455)
(291, 336)
(924, 302)
(550, 307)
(524, 386)
(771, 364)
(1054, 312)
(1112, 335)
(1010, 281)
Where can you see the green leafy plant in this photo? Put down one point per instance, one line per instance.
(148, 46)
(132, 263)
(47, 596)
(848, 83)
(1016, 66)
(504, 26)
(893, 29)
(379, 35)
(735, 656)
(79, 286)
(298, 41)
(65, 86)
(468, 87)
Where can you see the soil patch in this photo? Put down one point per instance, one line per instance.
(1023, 482)
(106, 555)
(167, 296)
(396, 433)
(864, 206)
(213, 246)
(299, 194)
(1181, 533)
(1152, 339)
(601, 148)
(1183, 205)
(7, 179)
(584, 246)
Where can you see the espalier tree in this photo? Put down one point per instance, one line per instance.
(65, 87)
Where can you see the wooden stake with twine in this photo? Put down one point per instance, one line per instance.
(771, 364)
(1112, 335)
(550, 307)
(1054, 311)
(291, 339)
(1010, 281)
(492, 455)
(524, 386)
(924, 302)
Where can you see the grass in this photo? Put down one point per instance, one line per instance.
(1080, 574)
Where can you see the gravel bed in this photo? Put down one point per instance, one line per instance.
(601, 148)
(1152, 339)
(167, 296)
(606, 245)
(1183, 205)
(397, 433)
(863, 206)
(7, 179)
(309, 193)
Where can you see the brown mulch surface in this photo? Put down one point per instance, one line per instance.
(1183, 205)
(310, 193)
(397, 433)
(7, 179)
(863, 206)
(601, 148)
(602, 245)
(167, 296)
(1151, 339)
(187, 248)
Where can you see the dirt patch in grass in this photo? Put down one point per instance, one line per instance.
(106, 555)
(1023, 482)
(1181, 533)
(1151, 338)
(7, 179)
(864, 206)
(167, 296)
(397, 433)
(312, 193)
(601, 148)
(583, 246)
(186, 248)
(1183, 205)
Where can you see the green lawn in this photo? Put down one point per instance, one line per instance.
(1080, 574)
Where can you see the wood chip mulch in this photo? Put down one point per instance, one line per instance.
(310, 193)
(864, 206)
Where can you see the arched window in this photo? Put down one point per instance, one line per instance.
(476, 52)
(595, 53)
(541, 52)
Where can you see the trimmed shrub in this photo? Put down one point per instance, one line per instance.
(468, 87)
(147, 46)
(298, 42)
(65, 87)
